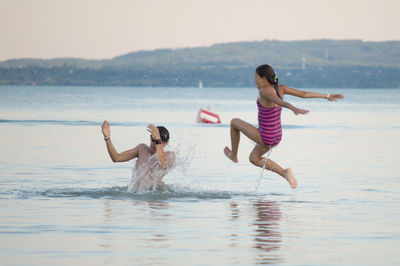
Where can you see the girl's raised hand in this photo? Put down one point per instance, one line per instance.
(153, 130)
(105, 128)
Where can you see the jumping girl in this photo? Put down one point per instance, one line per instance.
(269, 132)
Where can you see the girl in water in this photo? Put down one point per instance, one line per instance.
(269, 132)
(152, 163)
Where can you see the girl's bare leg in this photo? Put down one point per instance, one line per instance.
(257, 159)
(237, 126)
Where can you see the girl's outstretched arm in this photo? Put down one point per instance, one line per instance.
(308, 94)
(269, 93)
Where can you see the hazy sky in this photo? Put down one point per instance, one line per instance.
(107, 28)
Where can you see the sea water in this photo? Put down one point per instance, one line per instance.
(63, 201)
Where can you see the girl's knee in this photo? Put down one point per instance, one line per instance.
(254, 159)
(235, 122)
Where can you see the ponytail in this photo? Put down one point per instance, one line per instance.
(275, 83)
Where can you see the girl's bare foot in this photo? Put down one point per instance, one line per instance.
(228, 153)
(290, 178)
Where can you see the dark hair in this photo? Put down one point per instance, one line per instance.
(164, 134)
(266, 71)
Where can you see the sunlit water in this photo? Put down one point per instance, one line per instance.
(64, 202)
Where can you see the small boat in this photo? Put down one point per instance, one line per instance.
(208, 117)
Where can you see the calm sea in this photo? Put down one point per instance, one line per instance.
(63, 201)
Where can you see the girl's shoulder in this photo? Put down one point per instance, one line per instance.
(265, 102)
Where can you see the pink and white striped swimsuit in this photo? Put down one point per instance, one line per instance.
(269, 124)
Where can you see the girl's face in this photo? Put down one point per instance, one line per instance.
(258, 80)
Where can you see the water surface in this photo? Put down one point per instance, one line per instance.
(63, 201)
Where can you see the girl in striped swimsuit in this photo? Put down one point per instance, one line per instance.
(269, 132)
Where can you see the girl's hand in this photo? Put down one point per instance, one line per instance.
(153, 131)
(298, 111)
(334, 97)
(105, 128)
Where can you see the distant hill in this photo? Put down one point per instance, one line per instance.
(314, 63)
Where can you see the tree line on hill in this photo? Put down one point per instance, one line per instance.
(317, 63)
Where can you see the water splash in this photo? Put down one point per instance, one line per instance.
(265, 160)
(147, 177)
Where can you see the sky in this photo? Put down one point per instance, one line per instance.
(102, 29)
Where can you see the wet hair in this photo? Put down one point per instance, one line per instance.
(164, 134)
(266, 71)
